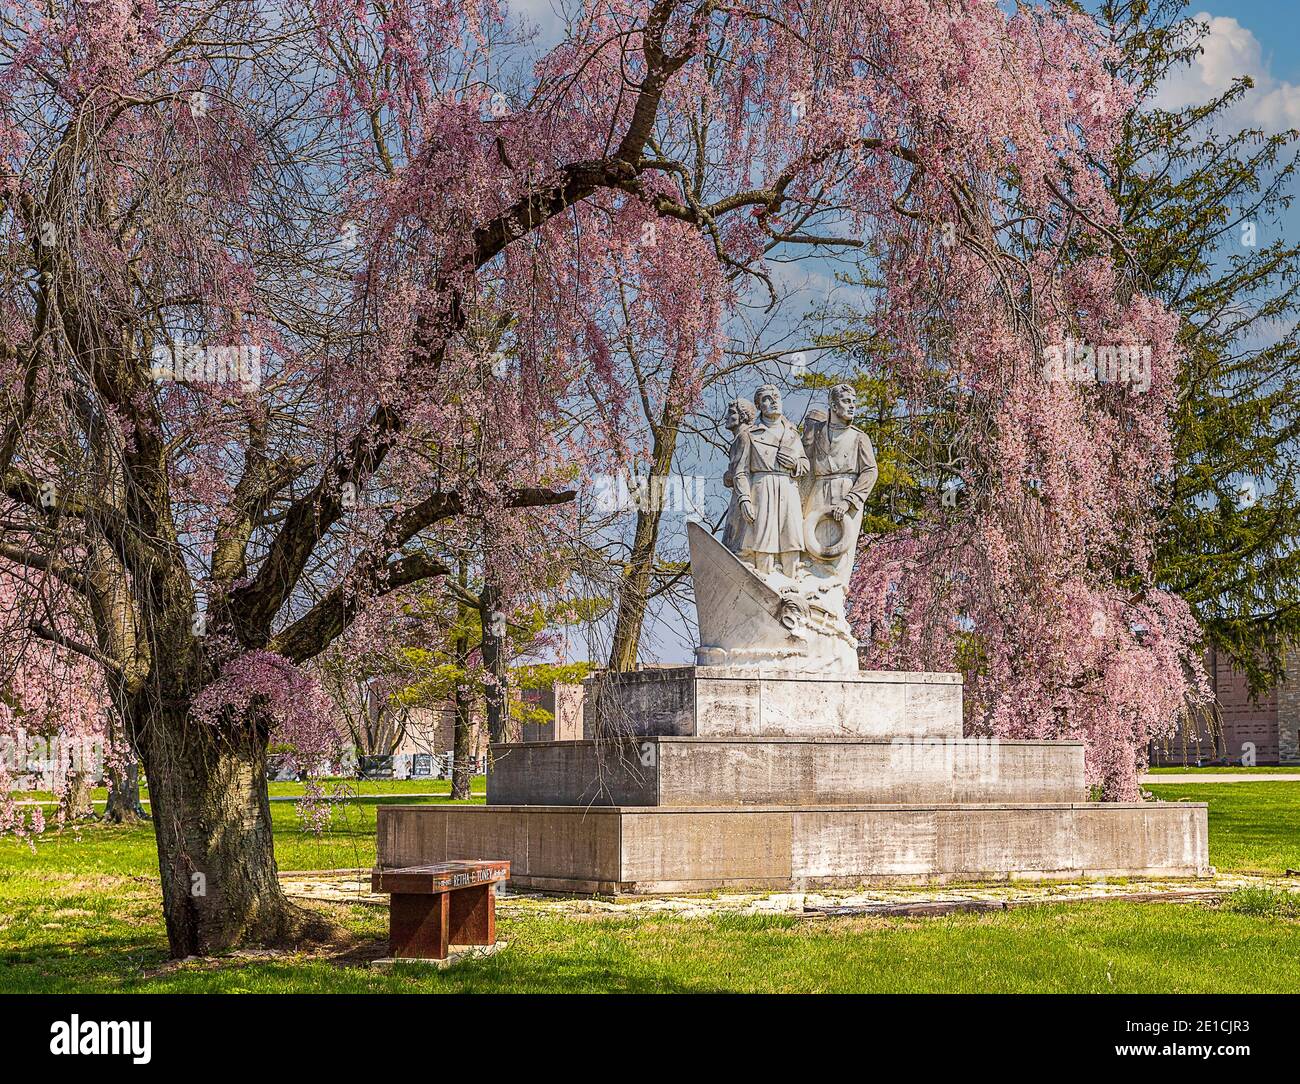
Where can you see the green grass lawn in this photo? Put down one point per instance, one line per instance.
(1254, 827)
(349, 843)
(81, 914)
(74, 937)
(1229, 769)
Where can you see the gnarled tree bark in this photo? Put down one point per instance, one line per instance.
(124, 805)
(212, 821)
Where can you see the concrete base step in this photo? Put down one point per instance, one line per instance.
(732, 701)
(619, 850)
(673, 772)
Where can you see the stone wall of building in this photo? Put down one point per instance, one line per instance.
(1288, 709)
(1249, 722)
(432, 730)
(1236, 725)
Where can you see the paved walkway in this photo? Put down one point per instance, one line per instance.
(292, 797)
(353, 886)
(1222, 777)
(1175, 779)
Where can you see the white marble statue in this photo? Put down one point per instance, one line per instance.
(768, 462)
(842, 474)
(772, 593)
(740, 415)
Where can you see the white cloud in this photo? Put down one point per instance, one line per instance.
(1231, 51)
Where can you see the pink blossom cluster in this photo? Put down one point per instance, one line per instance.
(297, 709)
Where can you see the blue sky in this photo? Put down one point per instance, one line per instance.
(1273, 24)
(1250, 38)
(1258, 38)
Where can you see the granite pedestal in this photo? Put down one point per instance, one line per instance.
(698, 778)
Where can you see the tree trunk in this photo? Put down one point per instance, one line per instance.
(123, 805)
(76, 803)
(212, 820)
(124, 795)
(462, 743)
(462, 739)
(634, 592)
(496, 660)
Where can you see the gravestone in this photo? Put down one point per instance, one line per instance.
(375, 767)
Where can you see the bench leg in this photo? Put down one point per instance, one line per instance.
(418, 926)
(473, 916)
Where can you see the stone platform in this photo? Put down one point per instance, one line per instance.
(698, 778)
(675, 772)
(616, 850)
(723, 701)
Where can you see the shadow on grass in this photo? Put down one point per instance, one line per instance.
(1095, 947)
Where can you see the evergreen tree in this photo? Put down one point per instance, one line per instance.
(1202, 203)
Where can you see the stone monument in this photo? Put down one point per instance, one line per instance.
(772, 593)
(775, 762)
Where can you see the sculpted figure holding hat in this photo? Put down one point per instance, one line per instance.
(842, 473)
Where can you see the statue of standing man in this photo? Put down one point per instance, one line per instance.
(843, 472)
(740, 415)
(767, 462)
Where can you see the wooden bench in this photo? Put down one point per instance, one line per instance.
(435, 907)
